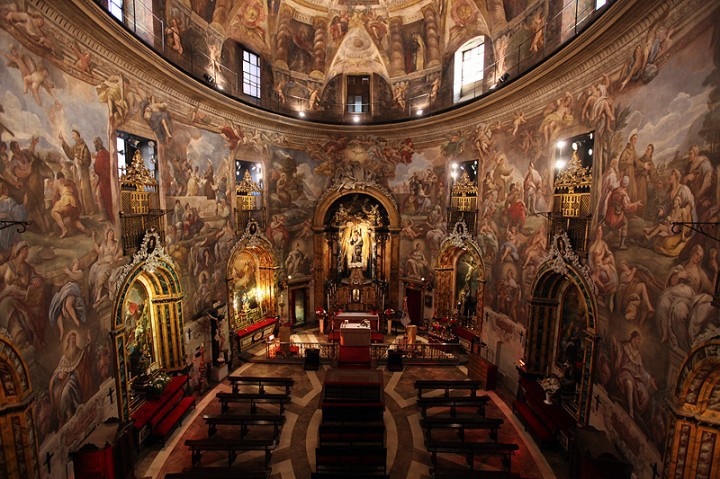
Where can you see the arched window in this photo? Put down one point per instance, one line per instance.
(469, 68)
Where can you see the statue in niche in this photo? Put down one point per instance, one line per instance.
(355, 246)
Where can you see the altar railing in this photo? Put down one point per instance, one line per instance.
(446, 353)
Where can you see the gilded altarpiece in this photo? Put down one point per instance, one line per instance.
(560, 271)
(157, 273)
(18, 444)
(459, 294)
(693, 446)
(251, 278)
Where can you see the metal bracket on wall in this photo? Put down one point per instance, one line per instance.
(698, 226)
(21, 225)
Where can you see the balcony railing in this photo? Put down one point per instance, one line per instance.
(417, 101)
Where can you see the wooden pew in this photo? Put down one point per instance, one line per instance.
(243, 420)
(470, 474)
(461, 424)
(471, 450)
(252, 399)
(341, 459)
(453, 402)
(261, 382)
(348, 475)
(231, 446)
(355, 435)
(353, 413)
(219, 473)
(461, 384)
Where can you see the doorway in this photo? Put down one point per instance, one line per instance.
(297, 309)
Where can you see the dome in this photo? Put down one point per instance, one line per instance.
(357, 61)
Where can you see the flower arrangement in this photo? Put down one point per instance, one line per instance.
(157, 384)
(550, 384)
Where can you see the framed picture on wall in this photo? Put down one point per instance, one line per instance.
(428, 300)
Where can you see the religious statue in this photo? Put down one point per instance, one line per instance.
(355, 245)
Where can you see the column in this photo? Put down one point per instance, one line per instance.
(397, 56)
(283, 37)
(432, 37)
(319, 45)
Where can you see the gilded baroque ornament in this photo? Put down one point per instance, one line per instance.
(561, 255)
(574, 175)
(150, 254)
(136, 175)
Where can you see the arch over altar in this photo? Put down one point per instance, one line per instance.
(356, 245)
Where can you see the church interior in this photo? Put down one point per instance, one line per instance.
(359, 238)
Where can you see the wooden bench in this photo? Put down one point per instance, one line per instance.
(261, 382)
(348, 475)
(341, 459)
(231, 446)
(355, 435)
(471, 450)
(353, 413)
(173, 418)
(453, 402)
(243, 420)
(219, 473)
(462, 384)
(461, 424)
(252, 399)
(471, 474)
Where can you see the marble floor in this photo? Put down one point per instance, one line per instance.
(294, 455)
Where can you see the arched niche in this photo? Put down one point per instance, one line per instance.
(561, 332)
(251, 281)
(378, 218)
(693, 445)
(18, 443)
(460, 277)
(151, 333)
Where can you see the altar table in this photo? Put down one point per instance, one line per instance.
(354, 334)
(354, 318)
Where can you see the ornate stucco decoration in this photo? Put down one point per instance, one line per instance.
(709, 334)
(150, 255)
(460, 237)
(561, 255)
(364, 209)
(253, 236)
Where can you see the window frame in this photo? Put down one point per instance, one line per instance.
(251, 74)
(464, 89)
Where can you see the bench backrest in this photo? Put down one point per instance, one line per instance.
(351, 458)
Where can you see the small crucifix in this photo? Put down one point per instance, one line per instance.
(111, 395)
(597, 402)
(655, 470)
(189, 333)
(48, 457)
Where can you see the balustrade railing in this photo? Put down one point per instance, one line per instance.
(449, 353)
(204, 64)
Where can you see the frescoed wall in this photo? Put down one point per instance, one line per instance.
(650, 106)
